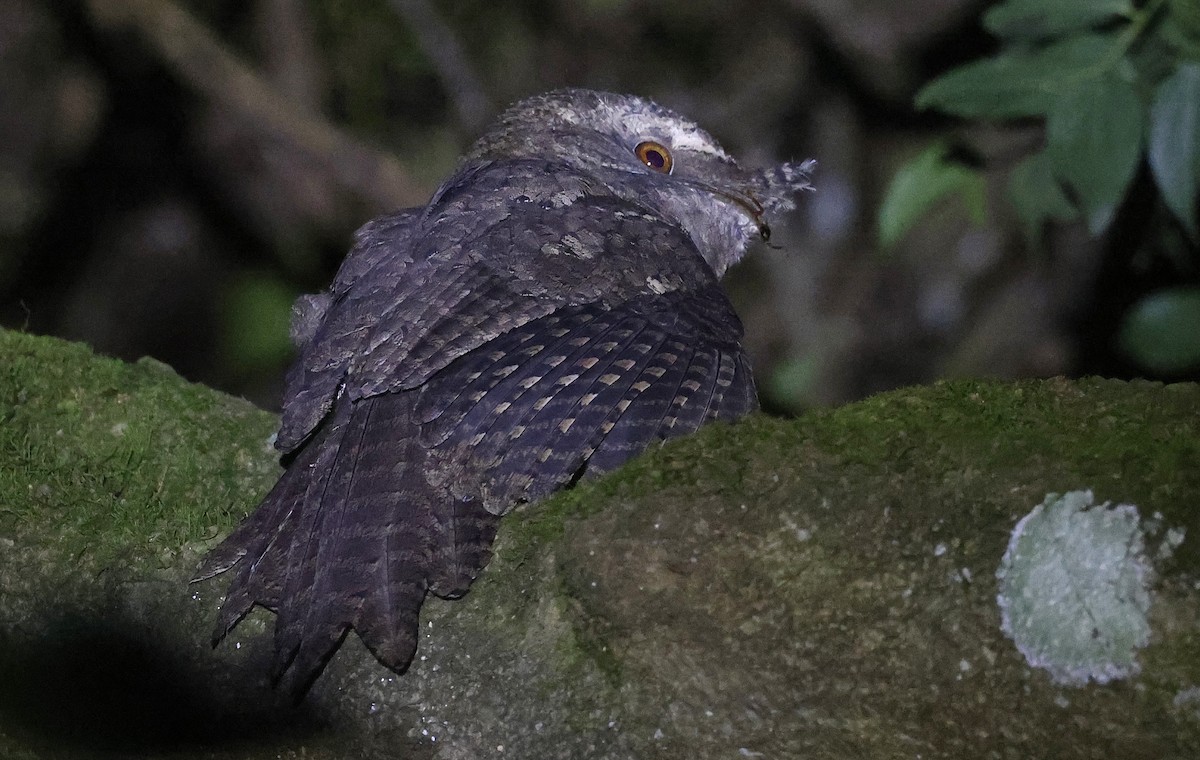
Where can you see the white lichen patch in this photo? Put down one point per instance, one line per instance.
(1075, 589)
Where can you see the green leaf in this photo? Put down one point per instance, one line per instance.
(793, 381)
(1174, 149)
(1094, 141)
(1162, 331)
(1037, 196)
(922, 182)
(1019, 83)
(1186, 16)
(257, 310)
(1038, 19)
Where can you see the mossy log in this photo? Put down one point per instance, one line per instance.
(819, 587)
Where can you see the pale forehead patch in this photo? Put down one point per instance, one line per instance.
(674, 132)
(644, 120)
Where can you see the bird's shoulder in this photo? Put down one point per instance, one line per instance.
(499, 245)
(557, 230)
(505, 243)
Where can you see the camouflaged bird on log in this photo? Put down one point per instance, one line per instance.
(552, 311)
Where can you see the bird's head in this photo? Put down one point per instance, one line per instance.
(651, 156)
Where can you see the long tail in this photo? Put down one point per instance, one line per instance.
(351, 537)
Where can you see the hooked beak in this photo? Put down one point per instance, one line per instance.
(751, 205)
(768, 191)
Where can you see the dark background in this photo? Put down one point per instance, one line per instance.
(173, 174)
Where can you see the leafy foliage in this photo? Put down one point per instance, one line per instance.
(1173, 151)
(921, 183)
(1113, 83)
(1117, 85)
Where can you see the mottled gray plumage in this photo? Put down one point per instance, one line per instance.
(551, 312)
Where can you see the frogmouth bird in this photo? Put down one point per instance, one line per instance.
(551, 312)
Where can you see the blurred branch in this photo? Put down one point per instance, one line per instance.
(290, 59)
(441, 47)
(199, 59)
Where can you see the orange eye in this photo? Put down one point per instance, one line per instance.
(655, 155)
